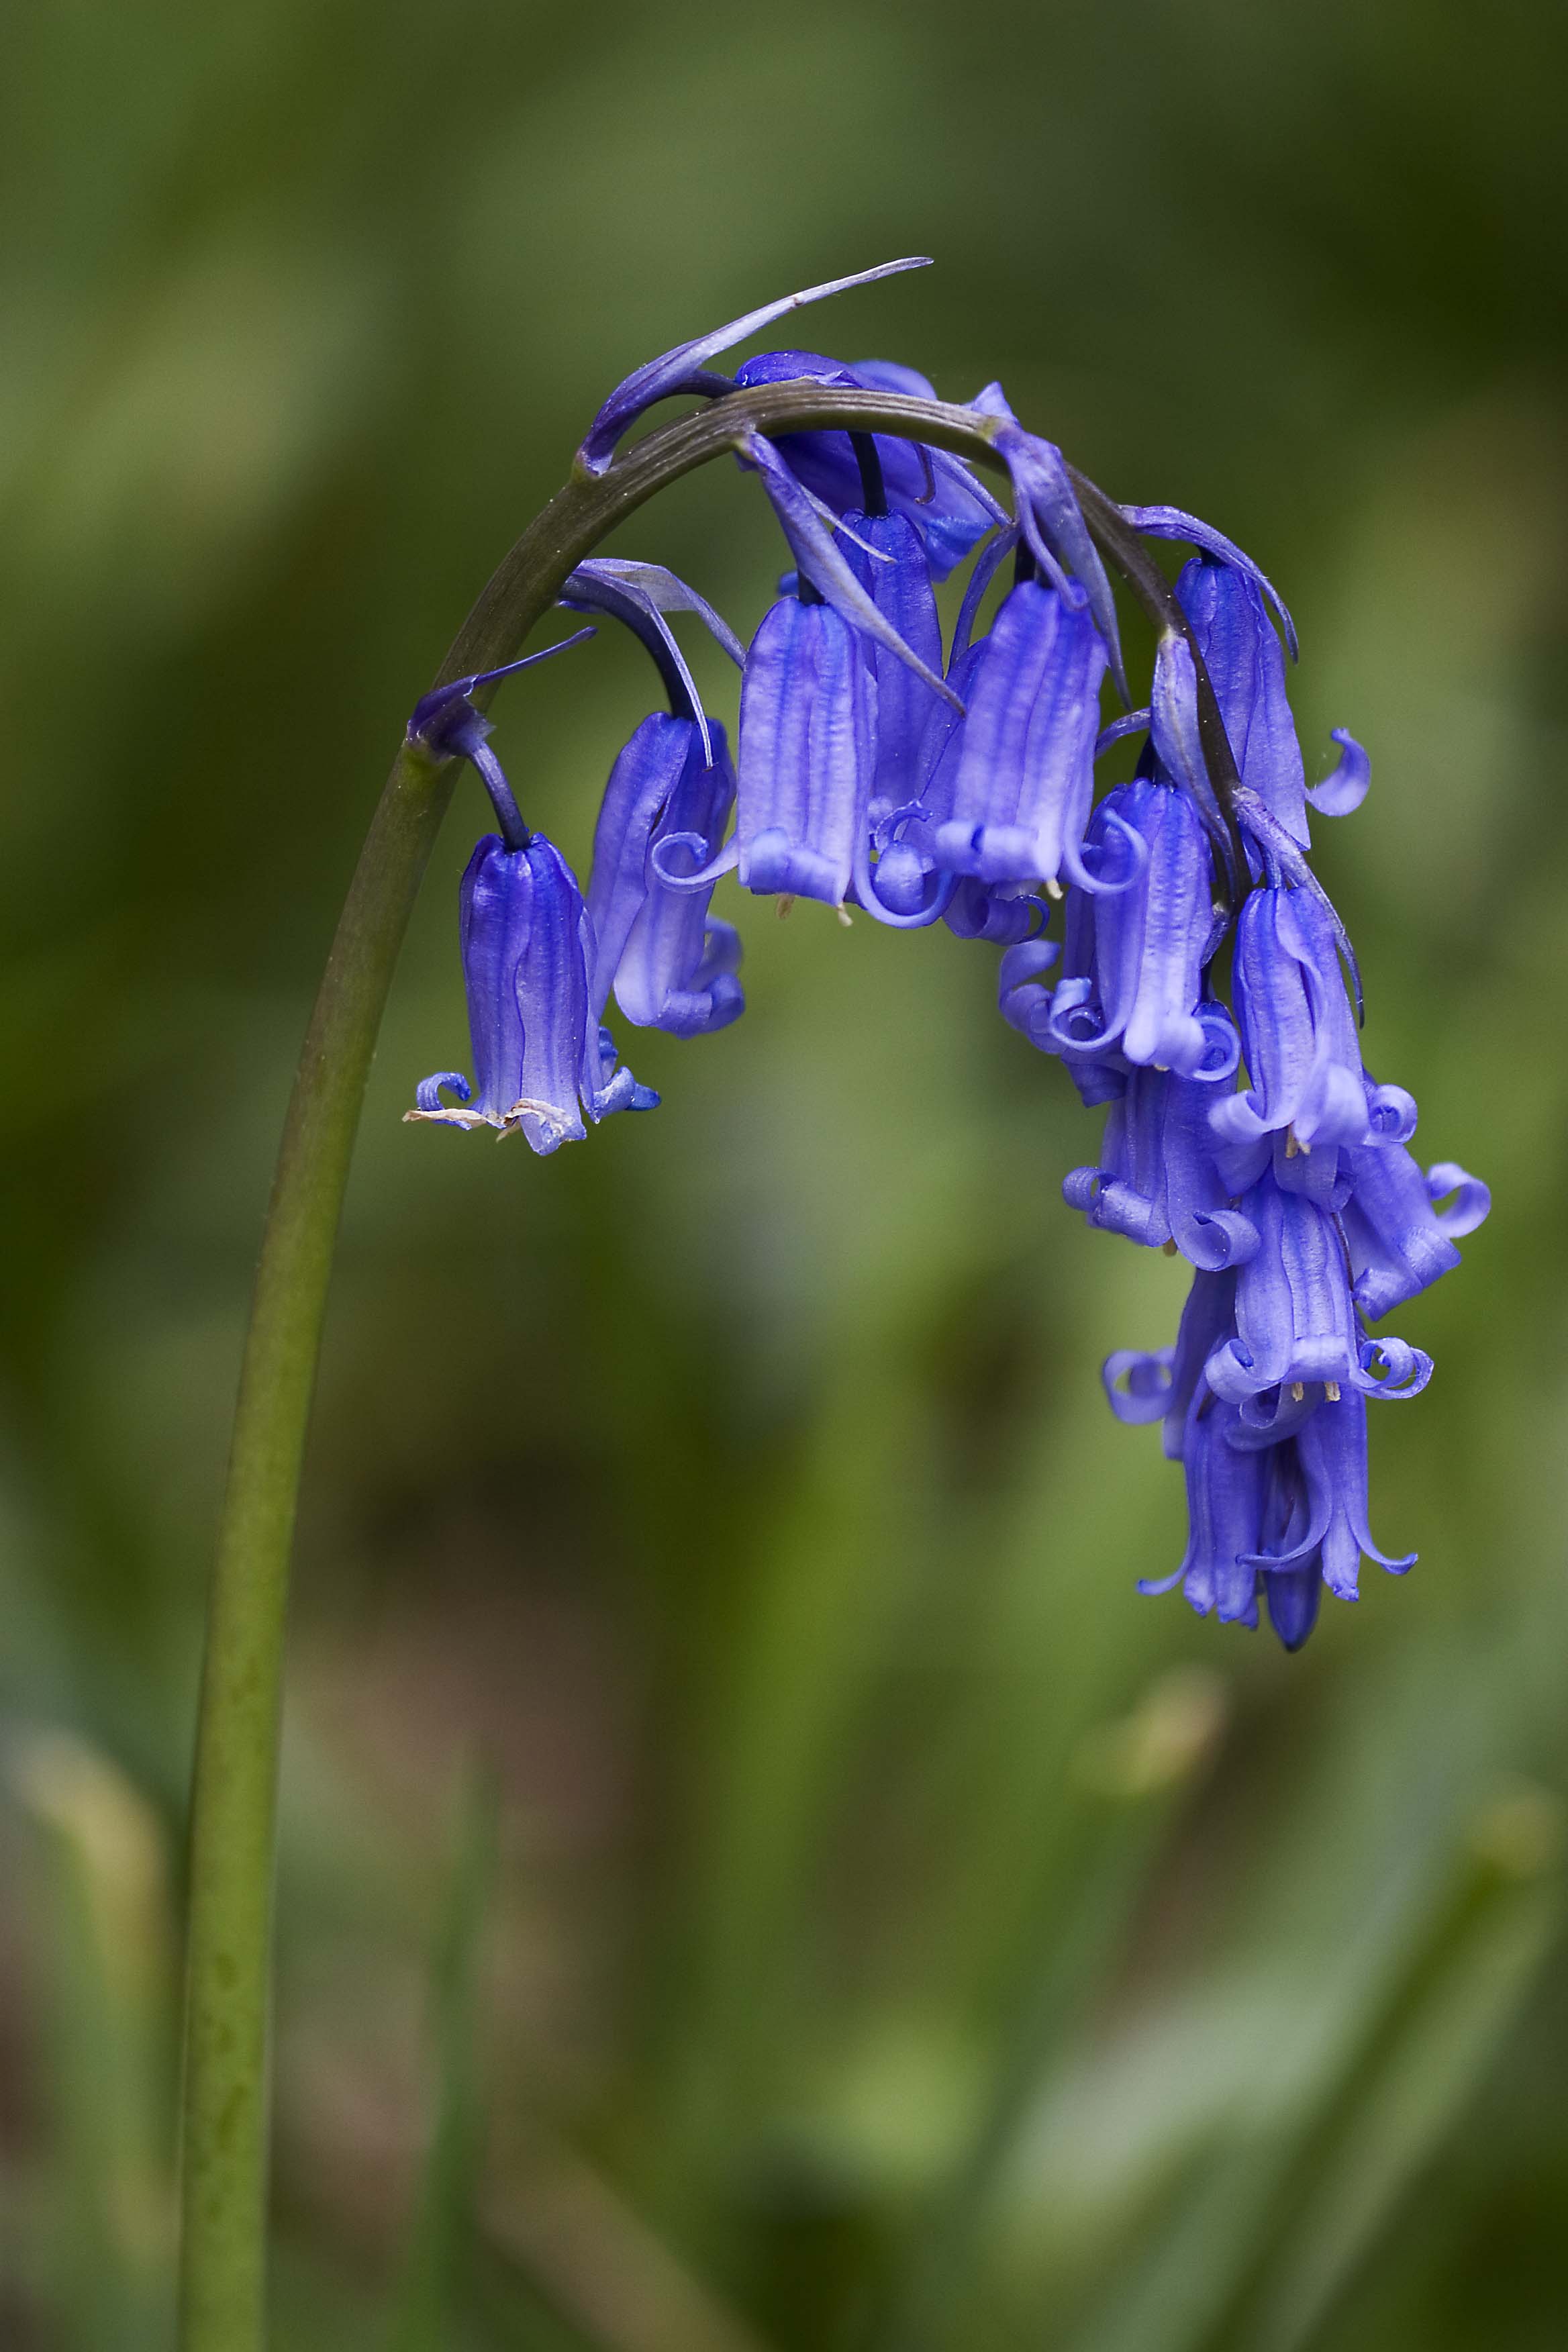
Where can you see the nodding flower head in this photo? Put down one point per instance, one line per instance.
(1133, 976)
(538, 1061)
(1270, 1514)
(1157, 1181)
(1012, 798)
(1296, 1324)
(806, 718)
(1298, 1031)
(664, 814)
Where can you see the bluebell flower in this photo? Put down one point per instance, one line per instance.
(672, 965)
(1247, 664)
(1010, 801)
(1330, 1526)
(527, 946)
(1157, 1181)
(1298, 1031)
(1133, 972)
(1283, 1515)
(1296, 1323)
(890, 560)
(1398, 1238)
(525, 943)
(1225, 1497)
(807, 707)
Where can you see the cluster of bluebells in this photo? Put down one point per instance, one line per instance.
(877, 768)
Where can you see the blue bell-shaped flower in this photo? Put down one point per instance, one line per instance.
(1298, 1031)
(1010, 801)
(526, 943)
(807, 711)
(1296, 1326)
(1158, 1182)
(670, 965)
(1134, 970)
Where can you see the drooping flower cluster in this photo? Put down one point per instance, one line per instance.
(1293, 1195)
(874, 771)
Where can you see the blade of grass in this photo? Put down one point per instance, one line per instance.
(109, 1963)
(1129, 1776)
(431, 2296)
(1274, 2224)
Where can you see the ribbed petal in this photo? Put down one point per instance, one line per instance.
(1024, 781)
(901, 588)
(642, 784)
(1207, 1316)
(1158, 1182)
(1247, 664)
(805, 753)
(1151, 939)
(677, 968)
(1296, 1029)
(1292, 1595)
(1332, 1448)
(522, 925)
(1176, 739)
(1225, 1501)
(1293, 1313)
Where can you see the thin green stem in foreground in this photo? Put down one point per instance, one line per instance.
(234, 1801)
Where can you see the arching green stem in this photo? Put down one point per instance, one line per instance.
(225, 2146)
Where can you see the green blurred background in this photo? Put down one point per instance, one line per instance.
(755, 1875)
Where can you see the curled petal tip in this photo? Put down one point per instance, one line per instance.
(1344, 789)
